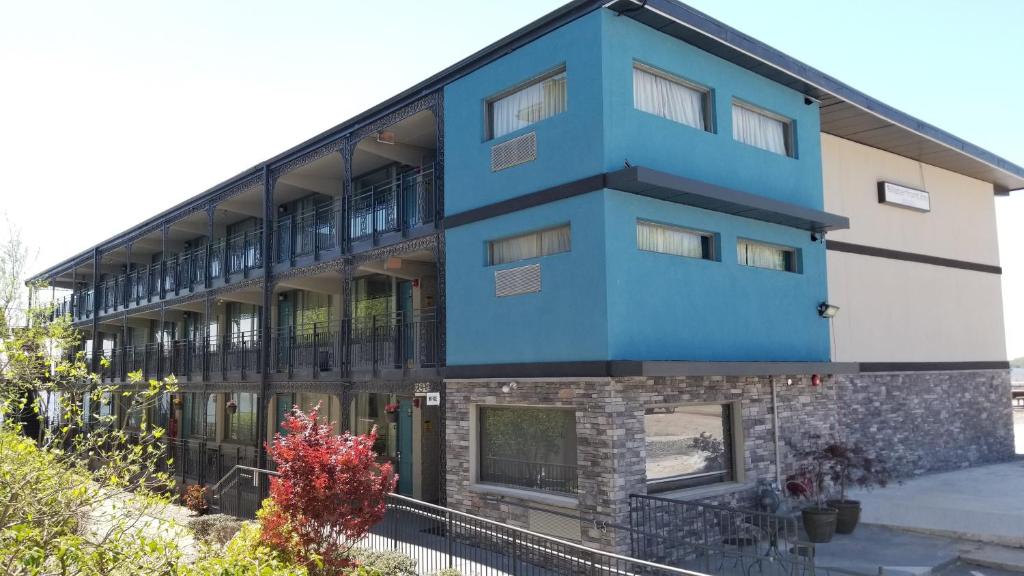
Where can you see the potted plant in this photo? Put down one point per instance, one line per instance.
(808, 483)
(391, 412)
(852, 465)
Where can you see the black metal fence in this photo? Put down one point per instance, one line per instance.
(534, 475)
(718, 539)
(438, 538)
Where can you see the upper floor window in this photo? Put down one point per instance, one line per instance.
(672, 98)
(758, 255)
(531, 245)
(674, 240)
(527, 104)
(763, 129)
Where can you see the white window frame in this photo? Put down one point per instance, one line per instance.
(788, 127)
(489, 102)
(707, 96)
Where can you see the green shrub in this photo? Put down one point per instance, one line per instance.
(216, 529)
(244, 555)
(448, 572)
(384, 563)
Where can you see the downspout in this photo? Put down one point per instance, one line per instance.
(775, 434)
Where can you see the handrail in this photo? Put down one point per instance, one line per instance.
(216, 486)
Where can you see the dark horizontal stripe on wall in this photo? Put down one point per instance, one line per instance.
(553, 194)
(680, 368)
(863, 250)
(627, 368)
(932, 366)
(670, 188)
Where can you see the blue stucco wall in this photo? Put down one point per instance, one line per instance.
(648, 140)
(606, 299)
(566, 320)
(665, 307)
(569, 145)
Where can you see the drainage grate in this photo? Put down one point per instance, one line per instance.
(513, 281)
(514, 152)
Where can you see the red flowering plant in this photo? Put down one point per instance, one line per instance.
(331, 491)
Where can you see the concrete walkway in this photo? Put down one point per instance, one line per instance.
(984, 504)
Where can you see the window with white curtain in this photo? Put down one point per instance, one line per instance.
(666, 239)
(537, 100)
(532, 245)
(762, 129)
(758, 255)
(672, 98)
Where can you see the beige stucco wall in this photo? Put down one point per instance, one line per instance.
(901, 311)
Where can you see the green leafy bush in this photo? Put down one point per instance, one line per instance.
(448, 572)
(384, 563)
(244, 555)
(216, 529)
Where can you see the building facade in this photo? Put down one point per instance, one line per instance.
(600, 258)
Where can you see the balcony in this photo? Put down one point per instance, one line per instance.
(403, 203)
(376, 346)
(307, 233)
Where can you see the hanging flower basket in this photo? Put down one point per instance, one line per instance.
(391, 411)
(232, 407)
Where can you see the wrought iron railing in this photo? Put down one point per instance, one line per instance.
(545, 476)
(198, 461)
(401, 203)
(718, 539)
(306, 233)
(392, 342)
(439, 538)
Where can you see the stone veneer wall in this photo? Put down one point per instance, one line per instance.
(922, 421)
(929, 421)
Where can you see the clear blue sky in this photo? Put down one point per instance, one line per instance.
(111, 111)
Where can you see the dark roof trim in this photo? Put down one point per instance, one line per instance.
(699, 29)
(670, 188)
(552, 21)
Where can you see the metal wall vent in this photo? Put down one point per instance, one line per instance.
(522, 280)
(514, 152)
(555, 524)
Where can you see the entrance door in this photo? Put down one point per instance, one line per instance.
(285, 402)
(404, 318)
(405, 447)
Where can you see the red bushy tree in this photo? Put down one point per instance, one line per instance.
(331, 491)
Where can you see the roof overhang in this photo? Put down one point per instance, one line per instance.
(672, 188)
(845, 111)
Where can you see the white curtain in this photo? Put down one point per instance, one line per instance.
(668, 240)
(758, 130)
(668, 99)
(531, 245)
(528, 105)
(761, 255)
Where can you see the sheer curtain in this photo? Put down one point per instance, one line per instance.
(542, 243)
(668, 99)
(667, 240)
(758, 130)
(762, 255)
(529, 105)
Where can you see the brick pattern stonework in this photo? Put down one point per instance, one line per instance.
(922, 422)
(930, 421)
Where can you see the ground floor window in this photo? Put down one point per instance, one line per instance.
(689, 445)
(241, 411)
(527, 447)
(371, 409)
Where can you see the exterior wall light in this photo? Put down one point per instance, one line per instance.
(826, 310)
(510, 387)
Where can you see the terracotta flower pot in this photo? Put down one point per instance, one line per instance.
(820, 523)
(848, 517)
